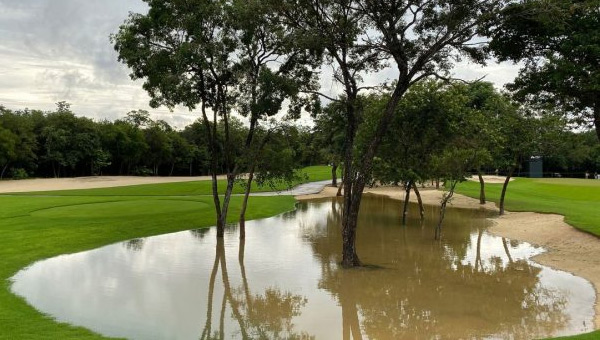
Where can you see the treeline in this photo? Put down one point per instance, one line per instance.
(59, 143)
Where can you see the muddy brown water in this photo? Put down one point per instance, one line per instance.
(284, 282)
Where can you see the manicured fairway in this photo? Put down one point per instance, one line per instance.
(34, 227)
(577, 199)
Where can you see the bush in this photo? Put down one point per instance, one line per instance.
(19, 173)
(142, 171)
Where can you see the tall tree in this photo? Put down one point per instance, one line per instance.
(218, 55)
(420, 38)
(559, 42)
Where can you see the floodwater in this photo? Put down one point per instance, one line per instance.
(284, 282)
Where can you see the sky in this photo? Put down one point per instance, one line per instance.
(59, 50)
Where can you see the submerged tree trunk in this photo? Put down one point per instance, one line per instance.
(407, 187)
(355, 179)
(481, 188)
(420, 200)
(245, 204)
(445, 199)
(504, 187)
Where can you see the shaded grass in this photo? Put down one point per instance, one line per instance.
(34, 227)
(308, 174)
(576, 199)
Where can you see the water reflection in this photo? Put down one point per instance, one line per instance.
(284, 282)
(260, 316)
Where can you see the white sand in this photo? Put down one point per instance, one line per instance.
(51, 184)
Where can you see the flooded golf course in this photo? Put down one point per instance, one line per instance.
(284, 282)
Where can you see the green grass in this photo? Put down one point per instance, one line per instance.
(34, 227)
(576, 199)
(308, 174)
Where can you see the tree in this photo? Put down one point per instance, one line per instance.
(329, 136)
(8, 141)
(420, 38)
(559, 42)
(218, 55)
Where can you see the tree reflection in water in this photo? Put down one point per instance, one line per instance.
(258, 316)
(429, 289)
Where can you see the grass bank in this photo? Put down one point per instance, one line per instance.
(576, 199)
(35, 227)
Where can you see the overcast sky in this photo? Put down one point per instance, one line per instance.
(55, 50)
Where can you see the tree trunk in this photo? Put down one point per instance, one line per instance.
(334, 175)
(225, 208)
(407, 188)
(245, 204)
(420, 200)
(445, 200)
(172, 169)
(504, 187)
(3, 170)
(437, 183)
(339, 192)
(597, 119)
(354, 180)
(481, 188)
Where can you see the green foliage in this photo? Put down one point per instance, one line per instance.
(19, 173)
(560, 44)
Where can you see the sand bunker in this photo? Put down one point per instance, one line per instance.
(52, 184)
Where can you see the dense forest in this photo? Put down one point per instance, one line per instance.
(61, 143)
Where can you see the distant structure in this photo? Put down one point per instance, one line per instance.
(536, 167)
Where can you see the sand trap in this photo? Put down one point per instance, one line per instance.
(490, 179)
(51, 184)
(569, 249)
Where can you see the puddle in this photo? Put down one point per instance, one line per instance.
(284, 282)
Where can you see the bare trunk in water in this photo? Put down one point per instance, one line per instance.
(420, 200)
(481, 188)
(504, 187)
(245, 204)
(447, 197)
(407, 188)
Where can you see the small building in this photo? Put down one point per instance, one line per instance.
(536, 167)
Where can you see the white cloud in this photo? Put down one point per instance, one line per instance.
(53, 50)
